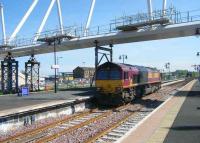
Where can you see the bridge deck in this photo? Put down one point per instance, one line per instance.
(169, 31)
(13, 105)
(176, 121)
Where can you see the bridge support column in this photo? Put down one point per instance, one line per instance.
(103, 52)
(32, 70)
(9, 75)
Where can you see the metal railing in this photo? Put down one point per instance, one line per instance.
(172, 14)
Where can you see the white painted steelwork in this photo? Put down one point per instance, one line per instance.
(44, 19)
(149, 3)
(3, 24)
(19, 26)
(90, 17)
(164, 7)
(60, 16)
(169, 31)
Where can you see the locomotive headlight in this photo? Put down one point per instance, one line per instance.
(118, 89)
(98, 88)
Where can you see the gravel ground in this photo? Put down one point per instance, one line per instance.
(24, 129)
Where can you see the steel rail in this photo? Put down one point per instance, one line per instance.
(68, 130)
(115, 125)
(43, 128)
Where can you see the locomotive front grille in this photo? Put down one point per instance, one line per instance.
(108, 86)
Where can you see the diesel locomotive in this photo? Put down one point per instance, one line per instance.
(119, 83)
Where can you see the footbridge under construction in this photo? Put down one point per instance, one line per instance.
(128, 29)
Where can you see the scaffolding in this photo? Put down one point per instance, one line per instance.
(32, 71)
(136, 22)
(9, 75)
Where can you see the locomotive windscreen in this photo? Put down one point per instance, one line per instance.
(104, 74)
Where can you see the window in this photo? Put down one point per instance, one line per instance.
(135, 79)
(114, 74)
(102, 75)
(108, 75)
(125, 75)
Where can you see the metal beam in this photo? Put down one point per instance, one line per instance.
(104, 49)
(3, 24)
(89, 17)
(164, 7)
(149, 3)
(44, 20)
(170, 31)
(19, 26)
(60, 16)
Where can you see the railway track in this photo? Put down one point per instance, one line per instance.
(26, 136)
(75, 125)
(118, 130)
(72, 122)
(97, 125)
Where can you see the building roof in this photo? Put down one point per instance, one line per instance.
(133, 67)
(85, 68)
(66, 73)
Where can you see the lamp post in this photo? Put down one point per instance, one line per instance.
(167, 66)
(197, 66)
(53, 40)
(162, 73)
(123, 57)
(55, 80)
(55, 66)
(58, 68)
(58, 63)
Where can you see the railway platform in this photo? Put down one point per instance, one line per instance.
(177, 120)
(13, 105)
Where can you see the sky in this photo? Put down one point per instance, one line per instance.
(180, 52)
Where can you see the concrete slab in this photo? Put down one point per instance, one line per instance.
(13, 104)
(171, 121)
(186, 126)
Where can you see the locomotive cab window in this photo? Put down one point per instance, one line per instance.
(115, 74)
(135, 78)
(108, 75)
(125, 75)
(102, 75)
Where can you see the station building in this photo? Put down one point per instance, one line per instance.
(83, 72)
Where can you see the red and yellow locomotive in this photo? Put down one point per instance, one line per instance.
(121, 83)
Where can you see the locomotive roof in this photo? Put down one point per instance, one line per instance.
(128, 66)
(142, 68)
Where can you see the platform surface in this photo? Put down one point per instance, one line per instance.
(176, 121)
(186, 126)
(11, 104)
